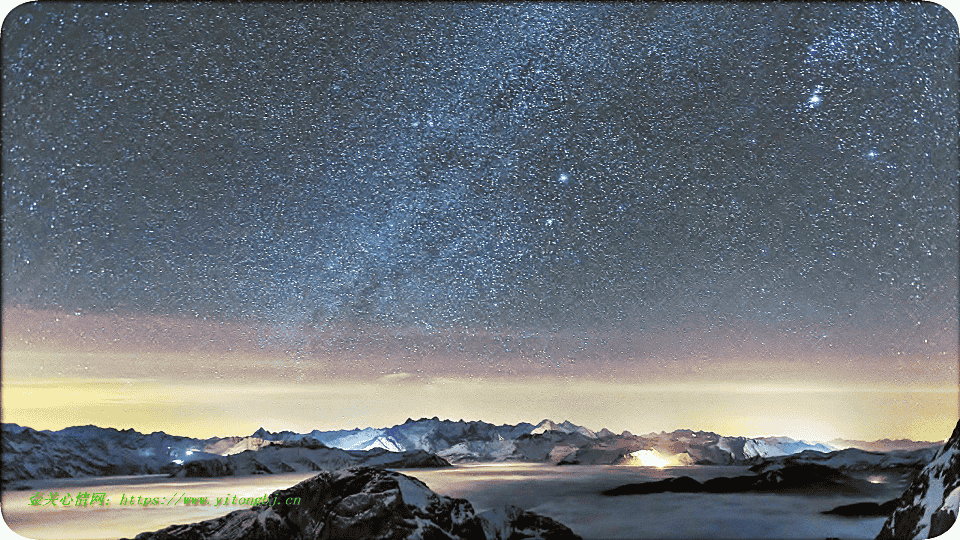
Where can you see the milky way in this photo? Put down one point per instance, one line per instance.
(541, 168)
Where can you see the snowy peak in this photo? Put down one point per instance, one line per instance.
(261, 434)
(235, 445)
(565, 427)
(387, 443)
(545, 425)
(779, 446)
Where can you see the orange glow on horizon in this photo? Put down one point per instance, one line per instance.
(180, 376)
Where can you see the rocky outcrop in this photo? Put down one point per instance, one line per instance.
(928, 508)
(366, 503)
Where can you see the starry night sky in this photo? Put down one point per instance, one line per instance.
(669, 172)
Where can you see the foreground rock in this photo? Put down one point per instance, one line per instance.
(928, 508)
(366, 503)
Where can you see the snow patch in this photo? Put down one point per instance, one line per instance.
(414, 492)
(952, 502)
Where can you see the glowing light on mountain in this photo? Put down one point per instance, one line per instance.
(648, 458)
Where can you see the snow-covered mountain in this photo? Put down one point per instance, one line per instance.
(93, 451)
(429, 434)
(367, 503)
(347, 439)
(779, 446)
(929, 507)
(565, 427)
(566, 442)
(483, 451)
(742, 448)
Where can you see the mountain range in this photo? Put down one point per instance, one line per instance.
(378, 501)
(374, 503)
(95, 451)
(567, 443)
(86, 451)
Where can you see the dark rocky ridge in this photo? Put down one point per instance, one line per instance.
(928, 508)
(864, 509)
(811, 478)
